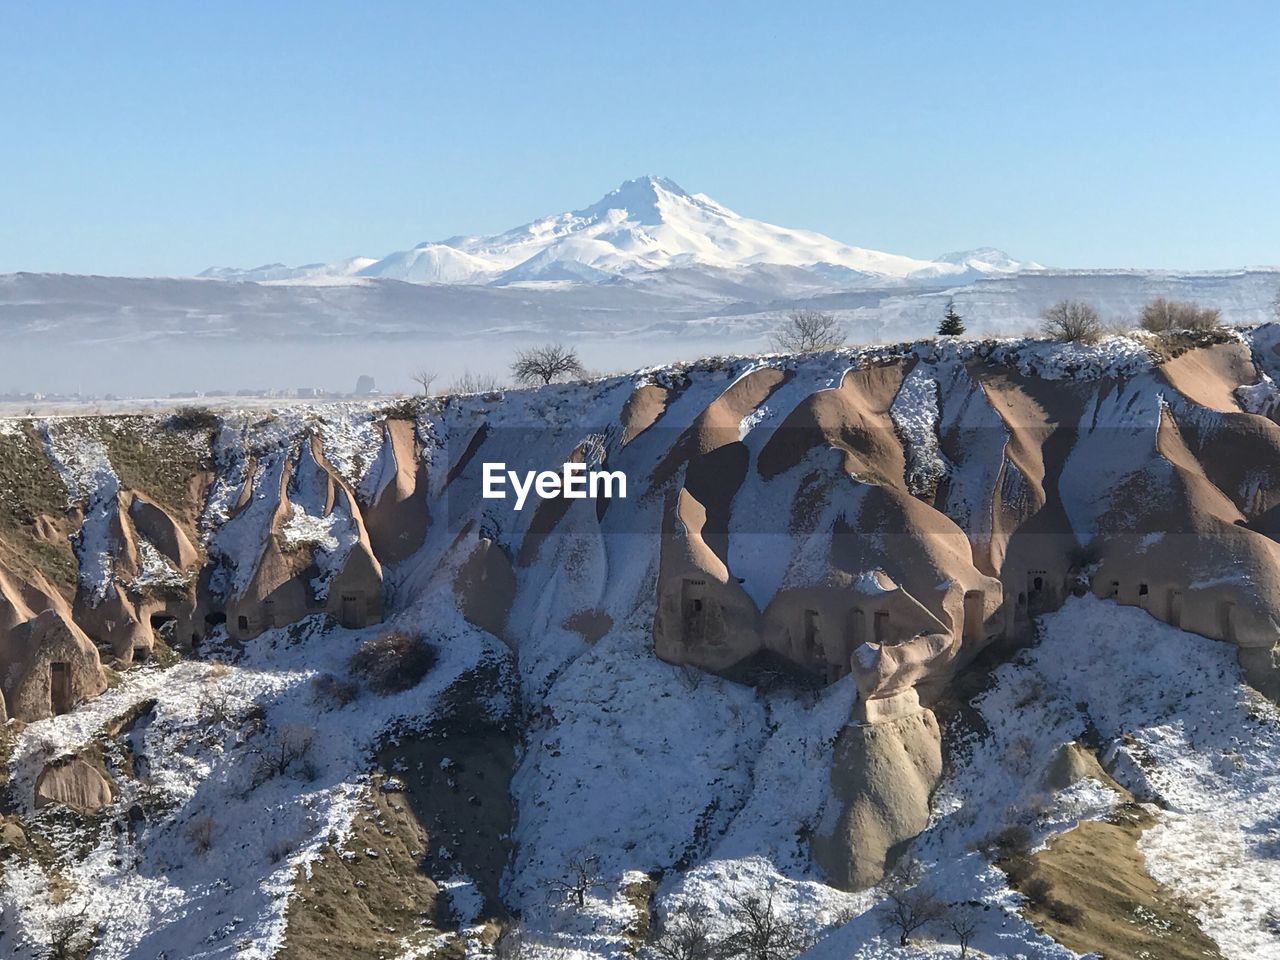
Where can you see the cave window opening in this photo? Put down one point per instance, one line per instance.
(693, 610)
(60, 698)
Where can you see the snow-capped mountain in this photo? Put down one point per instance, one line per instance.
(645, 225)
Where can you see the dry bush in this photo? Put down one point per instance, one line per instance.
(516, 944)
(470, 382)
(964, 924)
(1037, 889)
(201, 834)
(908, 905)
(336, 691)
(1161, 316)
(686, 935)
(581, 875)
(393, 661)
(808, 330)
(194, 419)
(761, 931)
(1072, 321)
(287, 752)
(543, 364)
(71, 935)
(1068, 914)
(216, 707)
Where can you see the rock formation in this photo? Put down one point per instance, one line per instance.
(884, 513)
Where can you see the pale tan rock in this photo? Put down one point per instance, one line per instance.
(882, 777)
(77, 784)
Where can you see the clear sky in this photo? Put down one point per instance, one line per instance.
(161, 138)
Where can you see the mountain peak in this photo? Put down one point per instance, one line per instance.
(642, 199)
(646, 224)
(648, 184)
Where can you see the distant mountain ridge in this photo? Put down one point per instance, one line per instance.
(646, 225)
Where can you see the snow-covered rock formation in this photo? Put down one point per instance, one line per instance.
(944, 603)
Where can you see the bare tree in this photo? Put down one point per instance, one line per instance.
(761, 932)
(909, 907)
(686, 935)
(542, 365)
(1072, 320)
(808, 330)
(70, 934)
(1161, 315)
(424, 378)
(964, 925)
(581, 876)
(289, 750)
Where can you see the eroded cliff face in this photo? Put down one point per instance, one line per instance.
(885, 513)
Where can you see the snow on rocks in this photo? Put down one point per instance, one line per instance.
(198, 742)
(85, 467)
(915, 414)
(1261, 398)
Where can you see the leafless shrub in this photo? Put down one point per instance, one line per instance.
(690, 677)
(581, 875)
(1073, 321)
(393, 661)
(761, 931)
(216, 707)
(334, 690)
(71, 935)
(686, 935)
(515, 944)
(910, 907)
(201, 832)
(1161, 315)
(1012, 840)
(964, 924)
(287, 752)
(543, 364)
(808, 330)
(469, 382)
(1037, 889)
(424, 379)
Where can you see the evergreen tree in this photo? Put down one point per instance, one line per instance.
(952, 323)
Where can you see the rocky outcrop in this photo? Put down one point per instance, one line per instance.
(882, 777)
(52, 665)
(397, 516)
(885, 512)
(315, 554)
(73, 783)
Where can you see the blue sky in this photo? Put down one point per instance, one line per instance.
(143, 138)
